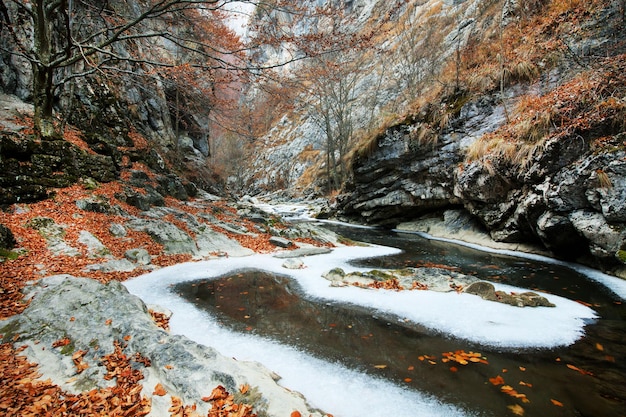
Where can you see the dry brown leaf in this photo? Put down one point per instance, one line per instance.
(159, 390)
(557, 403)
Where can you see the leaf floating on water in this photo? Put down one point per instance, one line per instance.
(498, 380)
(599, 347)
(509, 390)
(380, 366)
(557, 403)
(525, 384)
(454, 369)
(521, 368)
(407, 380)
(516, 409)
(463, 358)
(582, 371)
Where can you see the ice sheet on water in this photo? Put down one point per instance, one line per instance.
(461, 315)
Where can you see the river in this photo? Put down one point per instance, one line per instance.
(355, 352)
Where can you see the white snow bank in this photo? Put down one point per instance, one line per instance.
(332, 387)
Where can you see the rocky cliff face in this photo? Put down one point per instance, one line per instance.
(570, 199)
(564, 190)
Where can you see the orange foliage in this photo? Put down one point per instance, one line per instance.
(224, 405)
(390, 284)
(463, 358)
(23, 394)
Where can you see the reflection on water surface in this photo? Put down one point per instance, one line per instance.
(586, 379)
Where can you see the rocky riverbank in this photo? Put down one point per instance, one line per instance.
(96, 340)
(74, 340)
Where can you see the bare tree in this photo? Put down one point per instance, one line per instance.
(332, 91)
(67, 39)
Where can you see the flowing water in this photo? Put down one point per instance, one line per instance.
(587, 378)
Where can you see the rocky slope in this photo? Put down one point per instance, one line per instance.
(113, 358)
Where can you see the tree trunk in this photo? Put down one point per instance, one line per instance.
(43, 72)
(43, 98)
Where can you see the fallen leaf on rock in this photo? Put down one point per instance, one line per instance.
(77, 358)
(61, 342)
(296, 414)
(159, 390)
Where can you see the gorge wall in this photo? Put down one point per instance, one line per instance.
(570, 199)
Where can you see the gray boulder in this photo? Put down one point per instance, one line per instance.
(139, 256)
(487, 291)
(173, 239)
